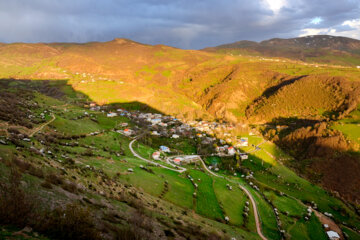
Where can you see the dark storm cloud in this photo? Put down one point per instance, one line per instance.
(180, 23)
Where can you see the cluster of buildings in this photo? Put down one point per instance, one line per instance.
(217, 135)
(222, 131)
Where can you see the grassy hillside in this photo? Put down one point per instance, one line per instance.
(286, 100)
(76, 173)
(190, 84)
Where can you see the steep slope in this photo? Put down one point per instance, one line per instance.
(305, 97)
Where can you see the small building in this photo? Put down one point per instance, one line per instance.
(231, 150)
(177, 160)
(244, 142)
(244, 156)
(155, 120)
(165, 149)
(175, 136)
(156, 155)
(128, 132)
(124, 124)
(111, 114)
(155, 133)
(332, 235)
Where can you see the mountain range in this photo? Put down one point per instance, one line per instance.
(300, 97)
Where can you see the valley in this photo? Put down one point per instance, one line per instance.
(155, 142)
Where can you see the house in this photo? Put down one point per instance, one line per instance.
(175, 136)
(177, 160)
(156, 155)
(231, 150)
(244, 156)
(164, 149)
(128, 132)
(124, 124)
(220, 149)
(111, 114)
(155, 133)
(244, 142)
(155, 120)
(332, 235)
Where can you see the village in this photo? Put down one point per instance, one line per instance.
(217, 139)
(215, 134)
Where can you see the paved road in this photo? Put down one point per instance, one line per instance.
(180, 170)
(42, 126)
(256, 213)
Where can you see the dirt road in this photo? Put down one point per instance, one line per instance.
(42, 126)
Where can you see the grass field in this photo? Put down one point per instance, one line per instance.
(350, 126)
(233, 202)
(206, 201)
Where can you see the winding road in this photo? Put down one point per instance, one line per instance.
(181, 170)
(256, 213)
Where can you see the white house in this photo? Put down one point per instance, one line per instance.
(155, 120)
(231, 150)
(128, 132)
(244, 156)
(111, 114)
(155, 133)
(332, 235)
(175, 136)
(177, 160)
(156, 155)
(244, 142)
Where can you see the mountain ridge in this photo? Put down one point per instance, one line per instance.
(313, 48)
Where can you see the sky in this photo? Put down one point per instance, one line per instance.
(188, 24)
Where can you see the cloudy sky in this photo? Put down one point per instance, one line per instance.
(181, 23)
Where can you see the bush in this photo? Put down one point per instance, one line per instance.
(15, 206)
(73, 222)
(54, 179)
(70, 187)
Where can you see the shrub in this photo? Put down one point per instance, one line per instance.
(54, 179)
(73, 222)
(37, 172)
(70, 187)
(15, 205)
